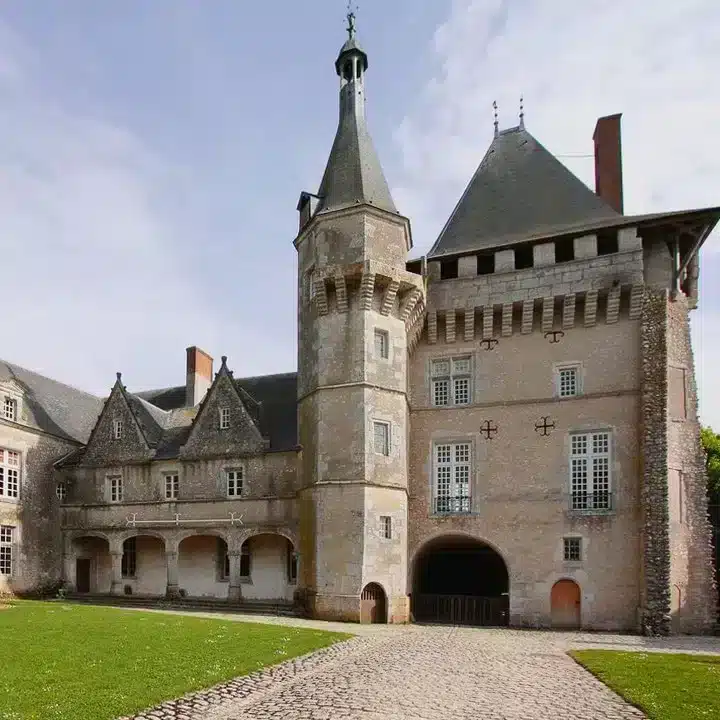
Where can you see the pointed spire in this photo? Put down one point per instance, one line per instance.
(353, 174)
(522, 114)
(495, 113)
(119, 376)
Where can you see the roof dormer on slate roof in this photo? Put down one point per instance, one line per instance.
(519, 190)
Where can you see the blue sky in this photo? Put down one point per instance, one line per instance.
(152, 153)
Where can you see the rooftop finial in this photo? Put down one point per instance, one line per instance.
(351, 19)
(522, 113)
(496, 117)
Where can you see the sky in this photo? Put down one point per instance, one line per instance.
(152, 154)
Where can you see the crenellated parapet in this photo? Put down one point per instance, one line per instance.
(371, 286)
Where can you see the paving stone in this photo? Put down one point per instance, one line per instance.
(430, 673)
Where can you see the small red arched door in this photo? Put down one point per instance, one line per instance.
(373, 607)
(565, 604)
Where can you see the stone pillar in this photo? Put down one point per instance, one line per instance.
(544, 254)
(116, 576)
(467, 266)
(585, 247)
(504, 260)
(69, 570)
(171, 561)
(235, 589)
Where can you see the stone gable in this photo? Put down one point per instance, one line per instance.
(207, 439)
(103, 449)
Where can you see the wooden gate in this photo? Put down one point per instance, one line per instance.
(372, 604)
(461, 609)
(565, 604)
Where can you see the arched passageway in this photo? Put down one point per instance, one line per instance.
(143, 567)
(458, 580)
(373, 604)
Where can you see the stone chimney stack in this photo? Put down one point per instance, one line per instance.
(608, 161)
(199, 375)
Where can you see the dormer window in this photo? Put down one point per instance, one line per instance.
(224, 418)
(117, 429)
(10, 408)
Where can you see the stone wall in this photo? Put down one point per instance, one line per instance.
(35, 515)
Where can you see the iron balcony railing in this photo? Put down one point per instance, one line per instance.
(451, 505)
(598, 501)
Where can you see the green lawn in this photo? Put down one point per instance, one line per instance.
(79, 662)
(664, 686)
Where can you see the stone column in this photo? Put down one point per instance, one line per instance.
(69, 570)
(171, 560)
(116, 577)
(235, 589)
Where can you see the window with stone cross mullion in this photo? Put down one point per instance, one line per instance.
(451, 481)
(9, 473)
(451, 382)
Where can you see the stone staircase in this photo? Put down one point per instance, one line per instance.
(255, 607)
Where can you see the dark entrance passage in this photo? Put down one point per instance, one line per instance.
(460, 581)
(82, 575)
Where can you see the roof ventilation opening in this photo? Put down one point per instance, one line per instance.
(523, 257)
(564, 250)
(448, 269)
(607, 242)
(486, 263)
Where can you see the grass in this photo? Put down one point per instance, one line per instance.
(77, 662)
(665, 686)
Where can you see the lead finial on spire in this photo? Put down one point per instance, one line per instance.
(351, 19)
(522, 113)
(495, 112)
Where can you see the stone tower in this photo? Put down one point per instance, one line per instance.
(359, 310)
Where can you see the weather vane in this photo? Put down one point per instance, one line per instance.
(351, 18)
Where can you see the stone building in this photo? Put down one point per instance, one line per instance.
(502, 431)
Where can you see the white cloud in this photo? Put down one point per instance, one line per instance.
(90, 282)
(655, 62)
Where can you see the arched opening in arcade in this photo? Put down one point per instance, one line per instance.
(91, 565)
(458, 580)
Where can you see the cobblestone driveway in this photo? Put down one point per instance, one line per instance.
(413, 672)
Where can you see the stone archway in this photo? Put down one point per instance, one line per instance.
(373, 604)
(460, 580)
(565, 604)
(89, 567)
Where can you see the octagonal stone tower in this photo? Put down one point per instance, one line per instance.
(359, 311)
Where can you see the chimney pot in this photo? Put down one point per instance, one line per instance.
(608, 161)
(199, 375)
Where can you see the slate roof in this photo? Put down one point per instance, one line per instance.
(52, 406)
(272, 402)
(519, 189)
(353, 173)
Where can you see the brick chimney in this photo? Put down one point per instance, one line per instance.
(608, 161)
(199, 375)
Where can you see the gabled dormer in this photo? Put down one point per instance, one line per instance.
(228, 422)
(124, 433)
(11, 401)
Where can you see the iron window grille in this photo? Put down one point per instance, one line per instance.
(381, 438)
(386, 527)
(572, 549)
(568, 382)
(381, 344)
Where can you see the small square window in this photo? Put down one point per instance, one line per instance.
(116, 489)
(117, 429)
(234, 482)
(172, 486)
(61, 491)
(381, 344)
(572, 549)
(10, 409)
(568, 382)
(224, 418)
(386, 527)
(382, 438)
